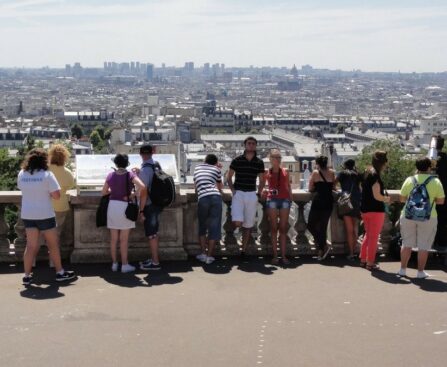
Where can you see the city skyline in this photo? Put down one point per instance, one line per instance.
(406, 36)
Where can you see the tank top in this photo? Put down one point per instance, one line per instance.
(323, 194)
(278, 184)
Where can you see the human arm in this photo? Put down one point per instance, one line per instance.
(56, 195)
(311, 186)
(230, 175)
(105, 189)
(377, 195)
(261, 177)
(289, 186)
(142, 191)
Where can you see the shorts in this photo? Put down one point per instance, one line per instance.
(243, 208)
(418, 234)
(151, 221)
(278, 204)
(40, 224)
(210, 217)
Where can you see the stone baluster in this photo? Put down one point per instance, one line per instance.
(265, 239)
(300, 226)
(4, 241)
(385, 235)
(20, 241)
(230, 241)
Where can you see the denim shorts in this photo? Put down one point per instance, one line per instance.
(278, 204)
(40, 224)
(210, 216)
(151, 221)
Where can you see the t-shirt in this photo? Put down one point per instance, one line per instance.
(146, 175)
(66, 181)
(36, 189)
(434, 188)
(246, 172)
(120, 185)
(369, 203)
(205, 178)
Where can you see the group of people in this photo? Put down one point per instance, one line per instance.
(44, 181)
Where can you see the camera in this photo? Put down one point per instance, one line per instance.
(274, 192)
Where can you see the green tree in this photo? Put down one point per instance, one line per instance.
(95, 138)
(76, 131)
(101, 131)
(400, 165)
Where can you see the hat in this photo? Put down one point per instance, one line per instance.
(146, 149)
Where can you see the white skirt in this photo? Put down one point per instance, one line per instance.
(116, 217)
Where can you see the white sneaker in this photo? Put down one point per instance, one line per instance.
(114, 266)
(402, 272)
(201, 257)
(422, 275)
(127, 268)
(209, 259)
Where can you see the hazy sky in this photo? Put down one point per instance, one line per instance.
(409, 35)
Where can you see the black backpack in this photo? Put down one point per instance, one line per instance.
(162, 190)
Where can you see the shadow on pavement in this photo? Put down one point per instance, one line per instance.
(430, 284)
(42, 293)
(391, 278)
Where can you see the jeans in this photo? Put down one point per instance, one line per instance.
(317, 226)
(210, 216)
(151, 221)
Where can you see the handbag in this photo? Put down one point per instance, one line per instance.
(132, 209)
(344, 203)
(101, 211)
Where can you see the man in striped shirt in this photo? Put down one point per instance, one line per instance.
(246, 167)
(208, 185)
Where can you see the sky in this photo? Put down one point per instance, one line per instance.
(375, 35)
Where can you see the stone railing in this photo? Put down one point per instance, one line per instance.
(82, 242)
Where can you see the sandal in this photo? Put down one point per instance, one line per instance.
(372, 267)
(285, 261)
(362, 264)
(275, 261)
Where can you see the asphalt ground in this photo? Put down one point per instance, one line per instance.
(226, 314)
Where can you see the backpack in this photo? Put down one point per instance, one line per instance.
(162, 190)
(418, 206)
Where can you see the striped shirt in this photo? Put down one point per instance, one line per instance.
(246, 172)
(205, 178)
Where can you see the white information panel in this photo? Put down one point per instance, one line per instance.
(92, 170)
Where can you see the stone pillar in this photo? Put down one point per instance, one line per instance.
(265, 239)
(20, 241)
(230, 241)
(300, 226)
(385, 235)
(5, 255)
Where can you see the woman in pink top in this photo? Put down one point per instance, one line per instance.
(279, 201)
(119, 185)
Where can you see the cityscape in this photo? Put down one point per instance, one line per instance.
(192, 110)
(232, 183)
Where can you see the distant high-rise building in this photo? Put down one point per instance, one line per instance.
(294, 71)
(149, 72)
(189, 68)
(137, 67)
(67, 69)
(105, 65)
(132, 67)
(206, 68)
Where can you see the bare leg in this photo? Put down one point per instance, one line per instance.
(245, 237)
(211, 245)
(113, 243)
(32, 247)
(153, 244)
(52, 240)
(283, 227)
(422, 259)
(405, 254)
(202, 241)
(124, 245)
(273, 219)
(350, 233)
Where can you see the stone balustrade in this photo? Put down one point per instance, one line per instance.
(82, 241)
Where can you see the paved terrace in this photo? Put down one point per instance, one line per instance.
(226, 314)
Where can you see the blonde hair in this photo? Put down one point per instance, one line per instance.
(59, 155)
(274, 151)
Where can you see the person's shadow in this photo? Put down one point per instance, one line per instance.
(256, 265)
(42, 292)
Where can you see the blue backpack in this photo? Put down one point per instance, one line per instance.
(418, 206)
